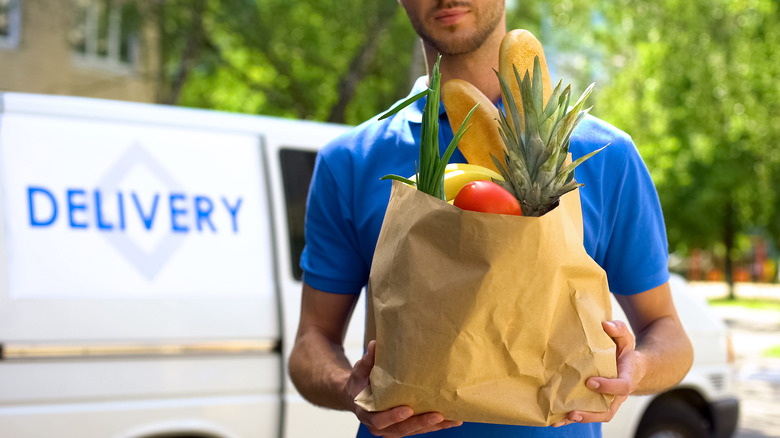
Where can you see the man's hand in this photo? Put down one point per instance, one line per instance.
(396, 422)
(324, 376)
(659, 358)
(629, 374)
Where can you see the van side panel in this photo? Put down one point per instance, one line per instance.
(136, 286)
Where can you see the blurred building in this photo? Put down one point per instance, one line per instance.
(93, 48)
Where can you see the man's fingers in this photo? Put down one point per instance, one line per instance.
(564, 422)
(619, 386)
(359, 376)
(446, 424)
(378, 421)
(398, 423)
(618, 331)
(417, 424)
(596, 417)
(624, 340)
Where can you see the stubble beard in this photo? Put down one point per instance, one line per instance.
(451, 46)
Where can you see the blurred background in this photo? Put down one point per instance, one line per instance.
(695, 83)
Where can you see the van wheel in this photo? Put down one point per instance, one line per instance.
(672, 418)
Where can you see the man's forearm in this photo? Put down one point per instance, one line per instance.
(320, 369)
(665, 355)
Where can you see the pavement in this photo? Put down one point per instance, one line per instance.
(757, 377)
(758, 386)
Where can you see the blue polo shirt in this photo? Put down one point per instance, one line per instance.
(623, 225)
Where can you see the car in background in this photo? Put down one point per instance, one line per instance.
(704, 404)
(150, 287)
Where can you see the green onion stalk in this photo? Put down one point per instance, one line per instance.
(429, 171)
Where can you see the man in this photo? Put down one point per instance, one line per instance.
(624, 233)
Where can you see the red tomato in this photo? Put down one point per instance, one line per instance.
(487, 197)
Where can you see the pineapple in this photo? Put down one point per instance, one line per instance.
(530, 146)
(536, 141)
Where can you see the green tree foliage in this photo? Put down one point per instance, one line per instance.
(341, 61)
(695, 83)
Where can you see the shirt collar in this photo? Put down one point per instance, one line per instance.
(415, 110)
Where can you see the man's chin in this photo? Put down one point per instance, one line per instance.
(456, 46)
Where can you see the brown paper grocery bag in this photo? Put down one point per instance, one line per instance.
(485, 317)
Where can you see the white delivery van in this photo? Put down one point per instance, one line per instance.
(149, 284)
(704, 403)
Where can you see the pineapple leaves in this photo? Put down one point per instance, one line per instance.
(537, 135)
(511, 106)
(566, 175)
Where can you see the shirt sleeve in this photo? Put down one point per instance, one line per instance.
(331, 259)
(637, 253)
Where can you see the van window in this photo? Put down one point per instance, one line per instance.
(10, 22)
(297, 168)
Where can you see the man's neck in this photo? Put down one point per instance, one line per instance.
(475, 67)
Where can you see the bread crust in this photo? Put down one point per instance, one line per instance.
(482, 138)
(518, 48)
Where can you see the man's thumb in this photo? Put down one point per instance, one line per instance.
(366, 362)
(370, 354)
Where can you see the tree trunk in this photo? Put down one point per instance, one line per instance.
(359, 64)
(729, 237)
(190, 54)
